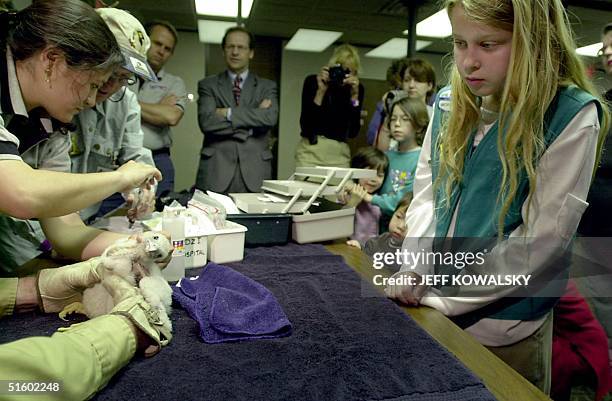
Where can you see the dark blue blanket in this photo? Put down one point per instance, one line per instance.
(343, 347)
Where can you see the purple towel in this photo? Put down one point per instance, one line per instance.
(229, 306)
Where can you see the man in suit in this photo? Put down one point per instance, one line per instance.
(236, 110)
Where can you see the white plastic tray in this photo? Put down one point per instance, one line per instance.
(251, 203)
(227, 245)
(323, 226)
(290, 187)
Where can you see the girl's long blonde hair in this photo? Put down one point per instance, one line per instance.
(543, 59)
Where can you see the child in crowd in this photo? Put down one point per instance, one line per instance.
(367, 216)
(417, 81)
(394, 79)
(509, 155)
(392, 240)
(408, 123)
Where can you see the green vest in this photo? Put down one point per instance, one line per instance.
(478, 211)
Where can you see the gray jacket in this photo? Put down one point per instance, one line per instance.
(244, 140)
(107, 136)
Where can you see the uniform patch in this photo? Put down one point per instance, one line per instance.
(444, 99)
(139, 66)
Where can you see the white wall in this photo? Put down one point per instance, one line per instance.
(295, 67)
(188, 63)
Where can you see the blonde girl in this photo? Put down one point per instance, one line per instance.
(510, 155)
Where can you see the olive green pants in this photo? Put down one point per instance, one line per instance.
(326, 152)
(532, 356)
(82, 358)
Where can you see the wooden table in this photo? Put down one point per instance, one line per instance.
(503, 381)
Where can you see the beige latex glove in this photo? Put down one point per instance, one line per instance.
(64, 285)
(130, 303)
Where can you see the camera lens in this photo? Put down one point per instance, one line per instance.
(336, 75)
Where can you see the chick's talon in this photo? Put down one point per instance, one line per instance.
(75, 307)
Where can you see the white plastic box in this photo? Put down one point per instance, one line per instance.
(196, 250)
(323, 226)
(227, 245)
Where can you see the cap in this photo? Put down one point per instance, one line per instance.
(132, 39)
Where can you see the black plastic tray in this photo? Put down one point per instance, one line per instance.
(264, 229)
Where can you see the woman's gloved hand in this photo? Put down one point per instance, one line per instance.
(129, 302)
(62, 286)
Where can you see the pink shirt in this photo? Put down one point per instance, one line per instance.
(366, 222)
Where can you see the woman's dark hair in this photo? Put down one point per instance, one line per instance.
(71, 26)
(420, 70)
(395, 72)
(370, 157)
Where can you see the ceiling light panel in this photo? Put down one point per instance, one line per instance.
(213, 31)
(395, 48)
(223, 8)
(435, 26)
(312, 40)
(590, 50)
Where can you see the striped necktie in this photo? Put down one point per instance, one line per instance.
(236, 89)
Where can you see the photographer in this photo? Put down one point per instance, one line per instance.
(331, 111)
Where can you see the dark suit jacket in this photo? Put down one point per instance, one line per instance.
(243, 140)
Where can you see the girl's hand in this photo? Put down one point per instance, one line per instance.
(353, 243)
(348, 197)
(384, 99)
(361, 193)
(345, 193)
(409, 294)
(344, 196)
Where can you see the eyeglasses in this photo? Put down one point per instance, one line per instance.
(123, 80)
